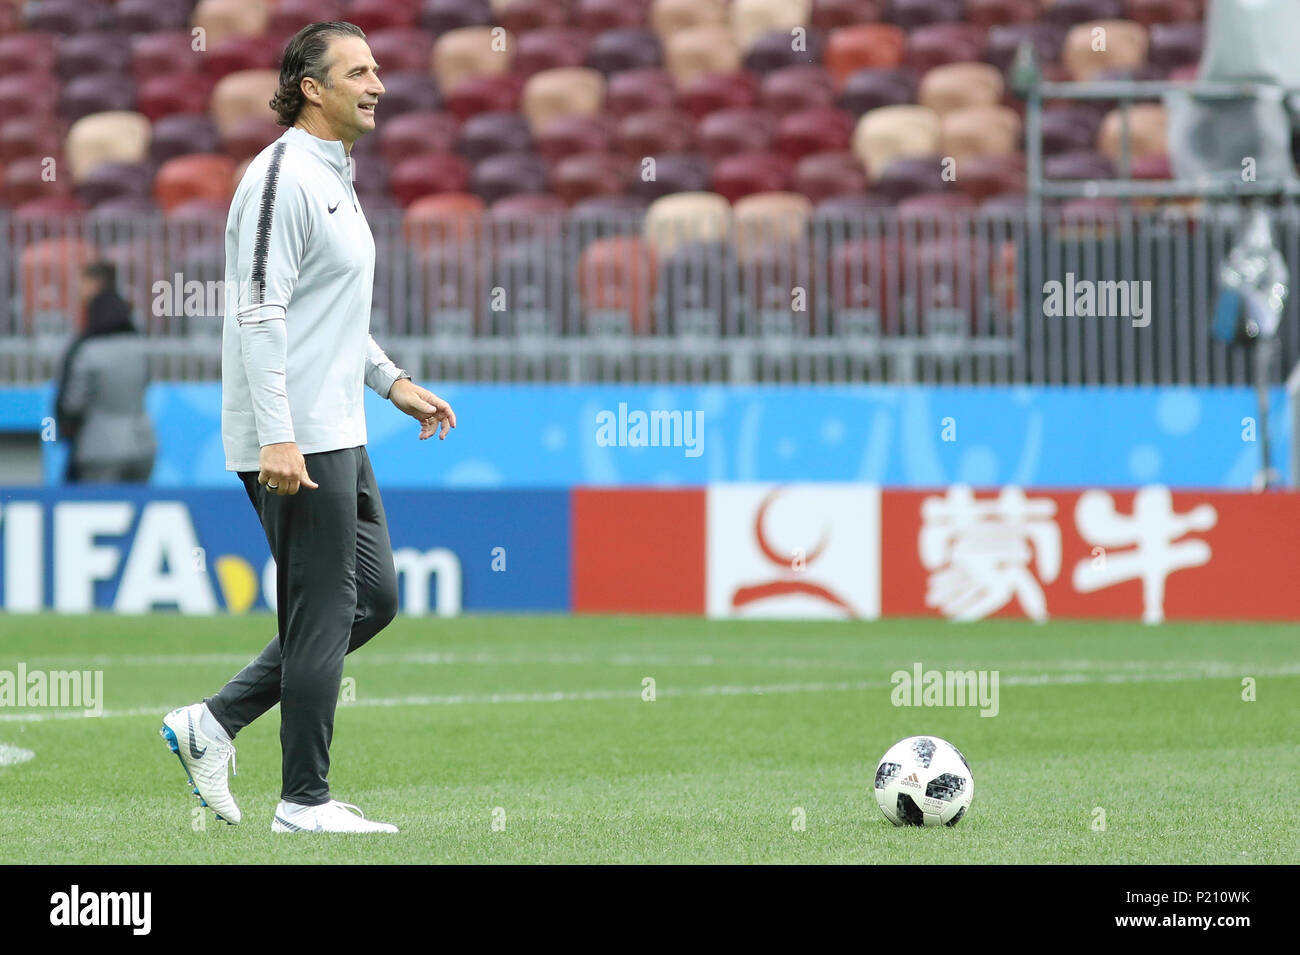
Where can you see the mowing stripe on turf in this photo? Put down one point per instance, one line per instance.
(1208, 672)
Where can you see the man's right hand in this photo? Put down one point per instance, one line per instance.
(283, 469)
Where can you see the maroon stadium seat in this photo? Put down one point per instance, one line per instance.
(549, 49)
(22, 136)
(748, 173)
(522, 208)
(160, 54)
(713, 91)
(96, 93)
(941, 43)
(983, 177)
(1148, 12)
(570, 135)
(85, 53)
(116, 180)
(401, 50)
(930, 207)
(824, 129)
(489, 134)
(1151, 167)
(27, 53)
(851, 205)
(991, 13)
(150, 16)
(674, 172)
(830, 14)
(290, 16)
(374, 15)
(828, 174)
(599, 15)
(28, 178)
(1002, 42)
(638, 90)
(1068, 129)
(1174, 45)
(585, 175)
(43, 213)
(912, 14)
(616, 278)
(522, 16)
(864, 278)
(909, 176)
(167, 94)
(731, 131)
(796, 88)
(66, 17)
(1079, 164)
(615, 51)
(1067, 13)
(442, 16)
(249, 136)
(183, 133)
(123, 208)
(870, 89)
(36, 94)
(233, 53)
(427, 174)
(424, 131)
(485, 94)
(775, 51)
(654, 131)
(408, 93)
(507, 174)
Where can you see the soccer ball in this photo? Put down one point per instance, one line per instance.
(924, 781)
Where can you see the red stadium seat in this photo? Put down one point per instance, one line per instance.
(585, 175)
(49, 270)
(150, 16)
(25, 136)
(408, 93)
(427, 174)
(824, 129)
(1149, 12)
(655, 131)
(601, 15)
(249, 136)
(828, 174)
(913, 14)
(714, 91)
(424, 131)
(870, 46)
(748, 173)
(166, 95)
(374, 15)
(21, 95)
(639, 90)
(1083, 164)
(992, 13)
(521, 16)
(161, 54)
(442, 16)
(194, 177)
(730, 131)
(942, 43)
(290, 16)
(830, 14)
(616, 284)
(485, 94)
(507, 174)
(674, 172)
(234, 53)
(1068, 129)
(490, 134)
(27, 53)
(984, 177)
(449, 217)
(567, 136)
(550, 49)
(796, 88)
(33, 177)
(401, 50)
(931, 207)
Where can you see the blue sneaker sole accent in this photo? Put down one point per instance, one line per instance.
(169, 737)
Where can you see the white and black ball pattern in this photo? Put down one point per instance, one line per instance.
(924, 781)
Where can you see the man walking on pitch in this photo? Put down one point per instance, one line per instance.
(296, 353)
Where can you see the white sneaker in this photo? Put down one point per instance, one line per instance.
(333, 816)
(204, 758)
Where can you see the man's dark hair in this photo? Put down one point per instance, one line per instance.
(306, 55)
(105, 273)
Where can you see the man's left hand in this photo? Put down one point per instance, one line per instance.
(434, 414)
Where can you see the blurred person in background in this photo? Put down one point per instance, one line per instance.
(100, 402)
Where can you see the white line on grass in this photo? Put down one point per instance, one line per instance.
(13, 755)
(1208, 672)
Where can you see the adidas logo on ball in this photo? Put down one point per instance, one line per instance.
(911, 781)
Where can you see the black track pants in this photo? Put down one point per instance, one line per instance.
(336, 587)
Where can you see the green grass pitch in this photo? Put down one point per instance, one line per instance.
(527, 739)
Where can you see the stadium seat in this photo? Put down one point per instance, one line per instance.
(655, 131)
(1151, 167)
(1147, 132)
(443, 16)
(686, 217)
(713, 91)
(123, 208)
(106, 137)
(161, 54)
(979, 131)
(604, 216)
(585, 175)
(567, 136)
(832, 14)
(507, 174)
(183, 133)
(25, 136)
(401, 50)
(673, 172)
(957, 85)
(236, 53)
(521, 16)
(66, 17)
(200, 176)
(735, 177)
(423, 131)
(727, 132)
(824, 129)
(1002, 42)
(867, 46)
(1069, 12)
(616, 284)
(1174, 45)
(1083, 164)
(700, 51)
(36, 96)
(49, 270)
(850, 206)
(1150, 12)
(992, 13)
(449, 217)
(902, 177)
(1068, 129)
(408, 93)
(639, 90)
(223, 18)
(777, 51)
(470, 51)
(33, 177)
(863, 276)
(1125, 48)
(427, 174)
(500, 93)
(115, 180)
(29, 53)
(941, 43)
(490, 134)
(928, 210)
(615, 51)
(823, 175)
(528, 212)
(84, 53)
(750, 19)
(601, 15)
(246, 93)
(871, 89)
(96, 93)
(913, 14)
(890, 132)
(766, 218)
(671, 16)
(150, 16)
(694, 293)
(796, 88)
(985, 177)
(572, 91)
(249, 136)
(550, 49)
(289, 16)
(373, 15)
